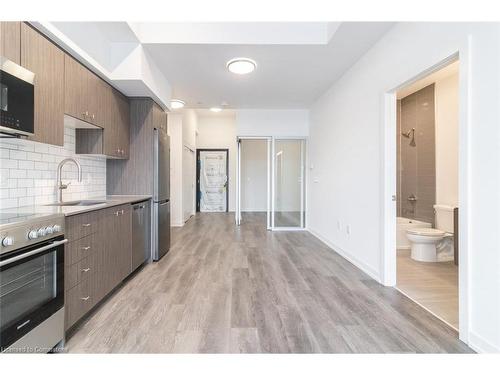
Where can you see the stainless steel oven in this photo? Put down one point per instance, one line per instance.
(17, 95)
(32, 291)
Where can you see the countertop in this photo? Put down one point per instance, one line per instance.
(111, 200)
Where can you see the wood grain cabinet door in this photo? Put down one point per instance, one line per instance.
(46, 60)
(123, 125)
(76, 87)
(10, 41)
(98, 100)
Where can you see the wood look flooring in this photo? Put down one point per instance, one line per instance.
(433, 285)
(223, 289)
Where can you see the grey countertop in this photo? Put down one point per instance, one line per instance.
(110, 201)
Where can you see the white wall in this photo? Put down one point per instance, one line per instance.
(28, 172)
(346, 148)
(254, 175)
(182, 127)
(219, 131)
(272, 122)
(446, 104)
(175, 133)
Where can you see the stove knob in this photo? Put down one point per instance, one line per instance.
(56, 228)
(49, 230)
(7, 241)
(42, 232)
(33, 235)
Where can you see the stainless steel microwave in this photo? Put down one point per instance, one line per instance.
(17, 98)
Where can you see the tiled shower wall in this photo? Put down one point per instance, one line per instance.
(416, 165)
(28, 172)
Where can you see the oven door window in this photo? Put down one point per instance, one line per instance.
(31, 290)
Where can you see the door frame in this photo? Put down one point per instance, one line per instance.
(388, 182)
(198, 166)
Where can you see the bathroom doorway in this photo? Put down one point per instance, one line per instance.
(427, 211)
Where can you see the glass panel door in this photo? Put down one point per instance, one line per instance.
(288, 184)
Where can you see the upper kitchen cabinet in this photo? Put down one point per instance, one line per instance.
(10, 41)
(46, 60)
(117, 132)
(85, 93)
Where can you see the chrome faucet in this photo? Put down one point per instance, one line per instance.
(60, 185)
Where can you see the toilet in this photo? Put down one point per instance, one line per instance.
(434, 244)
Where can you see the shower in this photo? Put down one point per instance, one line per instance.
(408, 134)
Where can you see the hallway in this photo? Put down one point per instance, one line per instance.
(224, 289)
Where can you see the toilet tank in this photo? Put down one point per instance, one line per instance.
(444, 217)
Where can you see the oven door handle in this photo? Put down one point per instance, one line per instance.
(36, 251)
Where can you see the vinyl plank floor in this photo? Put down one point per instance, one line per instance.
(228, 289)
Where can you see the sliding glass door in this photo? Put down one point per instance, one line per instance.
(285, 182)
(288, 184)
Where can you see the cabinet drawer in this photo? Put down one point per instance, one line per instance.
(82, 225)
(80, 271)
(79, 249)
(79, 300)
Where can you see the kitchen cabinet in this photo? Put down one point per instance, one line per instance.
(86, 93)
(116, 260)
(46, 60)
(98, 257)
(113, 140)
(117, 133)
(10, 41)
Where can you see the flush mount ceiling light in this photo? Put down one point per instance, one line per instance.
(241, 65)
(216, 109)
(176, 103)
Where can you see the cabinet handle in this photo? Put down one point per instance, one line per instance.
(93, 116)
(87, 225)
(86, 248)
(85, 298)
(122, 212)
(86, 270)
(85, 114)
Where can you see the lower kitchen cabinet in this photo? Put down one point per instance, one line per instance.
(97, 259)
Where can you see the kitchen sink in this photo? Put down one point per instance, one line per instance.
(78, 203)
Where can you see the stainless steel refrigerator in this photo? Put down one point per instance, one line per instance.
(161, 194)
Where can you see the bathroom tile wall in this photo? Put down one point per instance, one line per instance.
(28, 172)
(417, 164)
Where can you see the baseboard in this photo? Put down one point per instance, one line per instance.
(370, 271)
(480, 345)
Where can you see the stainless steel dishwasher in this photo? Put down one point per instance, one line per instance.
(141, 233)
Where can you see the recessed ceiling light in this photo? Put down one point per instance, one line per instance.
(176, 103)
(216, 109)
(241, 65)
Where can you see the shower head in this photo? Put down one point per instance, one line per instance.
(408, 134)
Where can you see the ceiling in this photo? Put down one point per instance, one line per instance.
(288, 75)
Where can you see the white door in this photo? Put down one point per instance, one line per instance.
(213, 181)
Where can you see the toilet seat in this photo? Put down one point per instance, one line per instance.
(427, 232)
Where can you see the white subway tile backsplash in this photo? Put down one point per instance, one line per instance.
(28, 172)
(25, 164)
(17, 155)
(8, 163)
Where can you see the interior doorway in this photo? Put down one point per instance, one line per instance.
(423, 230)
(212, 181)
